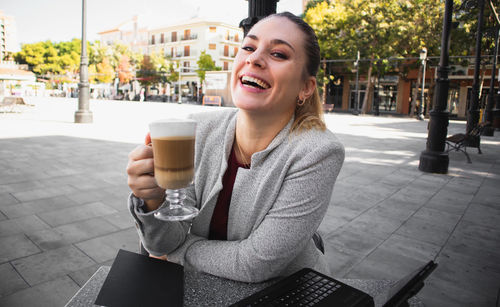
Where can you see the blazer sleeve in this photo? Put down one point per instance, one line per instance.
(157, 236)
(284, 232)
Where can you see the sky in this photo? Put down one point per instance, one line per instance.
(60, 20)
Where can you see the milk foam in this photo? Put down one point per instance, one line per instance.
(171, 127)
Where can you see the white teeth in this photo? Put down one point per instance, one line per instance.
(261, 83)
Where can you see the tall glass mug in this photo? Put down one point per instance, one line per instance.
(173, 150)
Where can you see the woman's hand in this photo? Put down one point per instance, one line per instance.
(140, 170)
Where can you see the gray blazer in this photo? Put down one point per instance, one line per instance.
(276, 205)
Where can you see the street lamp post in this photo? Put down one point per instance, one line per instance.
(434, 159)
(83, 115)
(473, 112)
(489, 130)
(423, 58)
(257, 9)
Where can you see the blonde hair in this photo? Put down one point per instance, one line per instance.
(309, 115)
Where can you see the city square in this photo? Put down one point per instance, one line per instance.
(63, 192)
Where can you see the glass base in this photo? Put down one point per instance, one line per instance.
(176, 213)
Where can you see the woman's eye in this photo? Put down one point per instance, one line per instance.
(247, 48)
(279, 55)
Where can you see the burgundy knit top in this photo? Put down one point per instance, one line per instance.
(218, 224)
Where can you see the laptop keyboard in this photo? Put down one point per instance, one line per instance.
(304, 288)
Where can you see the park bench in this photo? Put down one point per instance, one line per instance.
(460, 141)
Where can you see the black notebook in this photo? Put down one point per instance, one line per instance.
(138, 280)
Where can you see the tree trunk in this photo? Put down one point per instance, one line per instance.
(415, 94)
(324, 83)
(368, 89)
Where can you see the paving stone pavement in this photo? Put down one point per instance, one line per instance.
(63, 203)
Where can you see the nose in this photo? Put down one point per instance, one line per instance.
(255, 58)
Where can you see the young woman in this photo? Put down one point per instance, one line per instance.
(264, 171)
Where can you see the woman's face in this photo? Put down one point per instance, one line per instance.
(268, 71)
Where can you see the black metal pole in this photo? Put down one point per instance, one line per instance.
(257, 9)
(83, 115)
(434, 159)
(488, 129)
(473, 112)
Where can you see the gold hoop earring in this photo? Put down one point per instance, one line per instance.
(300, 102)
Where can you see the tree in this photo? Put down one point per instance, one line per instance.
(147, 74)
(205, 63)
(105, 72)
(377, 29)
(124, 70)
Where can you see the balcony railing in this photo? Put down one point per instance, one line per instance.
(189, 37)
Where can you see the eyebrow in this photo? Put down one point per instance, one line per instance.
(275, 41)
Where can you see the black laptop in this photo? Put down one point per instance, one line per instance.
(311, 288)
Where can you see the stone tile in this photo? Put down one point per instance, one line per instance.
(450, 201)
(83, 275)
(122, 220)
(483, 215)
(77, 213)
(353, 241)
(341, 262)
(424, 230)
(16, 246)
(6, 199)
(72, 233)
(3, 217)
(56, 292)
(438, 292)
(105, 248)
(117, 203)
(394, 210)
(469, 276)
(383, 264)
(51, 264)
(44, 193)
(89, 196)
(25, 224)
(37, 206)
(411, 248)
(438, 217)
(20, 186)
(379, 226)
(10, 281)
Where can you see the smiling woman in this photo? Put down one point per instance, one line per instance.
(264, 171)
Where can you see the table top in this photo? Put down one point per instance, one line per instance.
(202, 289)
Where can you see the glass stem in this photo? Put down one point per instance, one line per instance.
(175, 198)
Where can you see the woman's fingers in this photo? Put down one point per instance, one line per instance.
(147, 194)
(140, 167)
(141, 152)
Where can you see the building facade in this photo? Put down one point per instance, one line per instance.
(131, 33)
(8, 37)
(185, 41)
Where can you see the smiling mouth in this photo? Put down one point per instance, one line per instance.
(254, 82)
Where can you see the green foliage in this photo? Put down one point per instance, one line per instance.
(205, 63)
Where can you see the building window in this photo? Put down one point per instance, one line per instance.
(235, 51)
(186, 50)
(162, 38)
(187, 34)
(226, 50)
(226, 66)
(172, 51)
(174, 36)
(213, 29)
(152, 39)
(212, 46)
(186, 64)
(236, 38)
